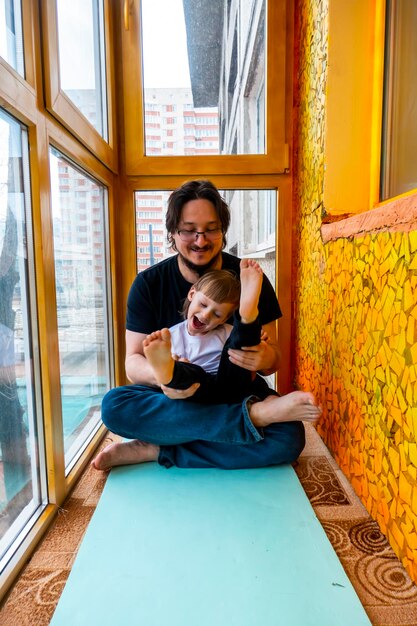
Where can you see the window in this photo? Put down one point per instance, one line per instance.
(80, 270)
(82, 67)
(11, 35)
(78, 71)
(253, 226)
(399, 147)
(22, 466)
(223, 80)
(199, 64)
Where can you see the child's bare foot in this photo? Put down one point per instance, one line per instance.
(125, 453)
(295, 406)
(157, 349)
(251, 283)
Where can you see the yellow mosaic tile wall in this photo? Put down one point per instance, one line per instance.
(356, 332)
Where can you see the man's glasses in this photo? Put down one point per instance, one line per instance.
(192, 235)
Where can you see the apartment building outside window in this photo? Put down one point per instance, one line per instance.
(81, 302)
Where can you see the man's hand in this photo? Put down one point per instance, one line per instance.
(180, 394)
(254, 358)
(263, 358)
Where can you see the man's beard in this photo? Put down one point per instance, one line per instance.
(199, 269)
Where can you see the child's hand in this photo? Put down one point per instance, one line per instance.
(179, 358)
(264, 336)
(180, 394)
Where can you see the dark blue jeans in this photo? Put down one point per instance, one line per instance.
(198, 435)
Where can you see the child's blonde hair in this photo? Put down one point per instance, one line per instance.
(221, 286)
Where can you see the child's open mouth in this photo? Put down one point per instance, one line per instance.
(197, 324)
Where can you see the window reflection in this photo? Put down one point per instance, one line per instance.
(81, 43)
(204, 85)
(11, 39)
(78, 205)
(21, 490)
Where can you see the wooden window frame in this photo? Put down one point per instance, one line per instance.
(20, 92)
(58, 103)
(276, 158)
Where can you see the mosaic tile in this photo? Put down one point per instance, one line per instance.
(356, 331)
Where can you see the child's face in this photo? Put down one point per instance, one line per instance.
(204, 314)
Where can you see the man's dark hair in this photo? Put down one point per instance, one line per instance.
(195, 190)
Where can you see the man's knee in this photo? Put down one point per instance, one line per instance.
(286, 441)
(110, 407)
(298, 441)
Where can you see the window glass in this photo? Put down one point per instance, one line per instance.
(253, 226)
(251, 234)
(11, 39)
(204, 92)
(82, 69)
(399, 151)
(151, 241)
(79, 209)
(22, 490)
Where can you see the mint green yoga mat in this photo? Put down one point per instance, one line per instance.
(206, 548)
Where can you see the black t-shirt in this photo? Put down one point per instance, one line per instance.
(157, 295)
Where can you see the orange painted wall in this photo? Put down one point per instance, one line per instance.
(356, 319)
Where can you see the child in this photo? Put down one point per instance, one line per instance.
(201, 343)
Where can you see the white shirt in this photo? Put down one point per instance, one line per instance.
(203, 350)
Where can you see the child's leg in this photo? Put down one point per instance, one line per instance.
(229, 374)
(247, 330)
(168, 371)
(157, 350)
(251, 276)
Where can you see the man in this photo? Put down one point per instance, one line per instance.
(258, 432)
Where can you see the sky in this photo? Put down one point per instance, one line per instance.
(164, 44)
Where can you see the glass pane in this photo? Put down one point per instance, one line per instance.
(78, 206)
(252, 231)
(151, 240)
(399, 160)
(21, 493)
(82, 69)
(204, 93)
(11, 38)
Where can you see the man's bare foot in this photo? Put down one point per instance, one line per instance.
(157, 349)
(295, 406)
(125, 453)
(251, 283)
